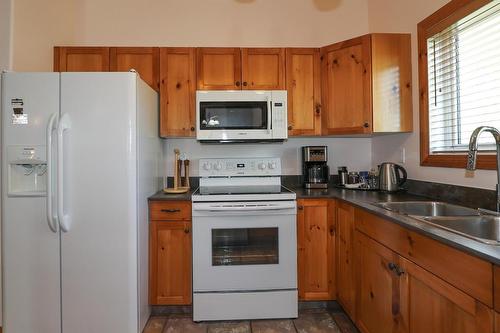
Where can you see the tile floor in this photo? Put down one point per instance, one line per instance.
(309, 321)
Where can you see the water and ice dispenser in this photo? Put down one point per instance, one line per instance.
(26, 171)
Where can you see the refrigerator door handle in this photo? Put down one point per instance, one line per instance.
(51, 215)
(64, 125)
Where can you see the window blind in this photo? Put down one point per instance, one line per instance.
(464, 80)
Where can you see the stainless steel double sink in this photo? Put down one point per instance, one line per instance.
(464, 221)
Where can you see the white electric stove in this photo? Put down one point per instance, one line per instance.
(244, 241)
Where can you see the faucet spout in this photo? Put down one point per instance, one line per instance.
(472, 155)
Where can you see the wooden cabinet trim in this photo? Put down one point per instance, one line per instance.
(470, 274)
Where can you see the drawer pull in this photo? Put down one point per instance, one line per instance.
(175, 210)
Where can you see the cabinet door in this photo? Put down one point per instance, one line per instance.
(145, 60)
(263, 69)
(378, 305)
(434, 306)
(218, 68)
(177, 92)
(303, 83)
(345, 259)
(346, 77)
(316, 249)
(170, 262)
(81, 59)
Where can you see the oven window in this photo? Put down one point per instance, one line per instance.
(245, 246)
(233, 115)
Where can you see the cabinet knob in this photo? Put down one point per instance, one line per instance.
(186, 230)
(192, 128)
(366, 125)
(245, 83)
(300, 207)
(318, 109)
(290, 127)
(237, 83)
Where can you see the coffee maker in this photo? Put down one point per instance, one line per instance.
(314, 166)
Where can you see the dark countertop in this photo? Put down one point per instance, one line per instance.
(366, 199)
(160, 195)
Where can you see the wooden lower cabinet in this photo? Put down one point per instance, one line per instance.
(378, 306)
(316, 249)
(169, 256)
(345, 258)
(433, 305)
(396, 295)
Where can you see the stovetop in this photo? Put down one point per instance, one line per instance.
(248, 193)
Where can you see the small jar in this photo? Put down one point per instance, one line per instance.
(353, 177)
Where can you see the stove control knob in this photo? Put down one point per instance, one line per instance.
(218, 166)
(207, 166)
(262, 166)
(272, 165)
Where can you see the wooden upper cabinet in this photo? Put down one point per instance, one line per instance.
(263, 68)
(432, 305)
(391, 83)
(378, 305)
(303, 83)
(177, 92)
(145, 60)
(218, 68)
(367, 85)
(316, 249)
(346, 289)
(81, 59)
(346, 87)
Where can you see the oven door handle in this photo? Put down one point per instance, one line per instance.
(244, 207)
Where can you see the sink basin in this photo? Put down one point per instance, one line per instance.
(485, 228)
(427, 208)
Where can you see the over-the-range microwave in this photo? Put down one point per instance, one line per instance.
(241, 116)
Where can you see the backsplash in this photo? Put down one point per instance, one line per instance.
(355, 153)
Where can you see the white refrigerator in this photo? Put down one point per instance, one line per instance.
(80, 156)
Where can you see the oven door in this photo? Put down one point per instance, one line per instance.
(244, 246)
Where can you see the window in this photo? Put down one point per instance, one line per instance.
(459, 69)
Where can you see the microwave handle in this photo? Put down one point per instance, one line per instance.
(270, 117)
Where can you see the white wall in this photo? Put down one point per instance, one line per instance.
(403, 16)
(5, 34)
(39, 25)
(355, 153)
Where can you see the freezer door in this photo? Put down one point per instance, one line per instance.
(99, 237)
(30, 249)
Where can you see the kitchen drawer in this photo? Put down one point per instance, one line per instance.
(462, 270)
(170, 210)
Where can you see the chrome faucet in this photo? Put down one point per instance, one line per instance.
(472, 156)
